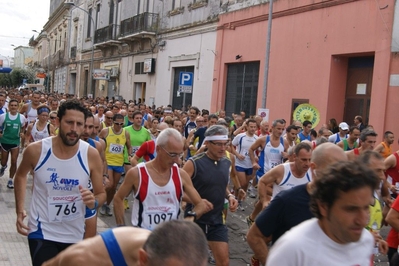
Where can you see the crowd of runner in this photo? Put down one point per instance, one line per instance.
(197, 165)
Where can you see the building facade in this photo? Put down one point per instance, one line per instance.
(339, 55)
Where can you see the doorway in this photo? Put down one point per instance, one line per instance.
(242, 88)
(358, 88)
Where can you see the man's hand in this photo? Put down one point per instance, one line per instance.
(242, 194)
(233, 204)
(208, 205)
(255, 166)
(241, 157)
(87, 197)
(21, 227)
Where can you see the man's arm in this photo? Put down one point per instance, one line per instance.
(28, 133)
(128, 145)
(273, 176)
(96, 176)
(379, 148)
(340, 144)
(29, 160)
(393, 217)
(130, 183)
(139, 154)
(259, 143)
(258, 243)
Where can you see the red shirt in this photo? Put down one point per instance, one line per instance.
(146, 150)
(392, 238)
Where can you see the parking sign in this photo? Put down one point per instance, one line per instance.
(186, 82)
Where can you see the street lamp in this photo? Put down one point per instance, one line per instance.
(43, 34)
(22, 50)
(69, 4)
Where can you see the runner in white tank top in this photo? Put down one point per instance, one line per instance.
(63, 166)
(289, 180)
(154, 204)
(41, 128)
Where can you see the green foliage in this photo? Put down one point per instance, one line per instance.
(15, 78)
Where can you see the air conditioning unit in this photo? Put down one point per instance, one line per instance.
(114, 71)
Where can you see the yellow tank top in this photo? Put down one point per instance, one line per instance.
(375, 215)
(114, 150)
(387, 150)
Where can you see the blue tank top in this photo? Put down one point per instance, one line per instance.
(114, 251)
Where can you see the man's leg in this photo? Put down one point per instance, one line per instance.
(4, 160)
(42, 250)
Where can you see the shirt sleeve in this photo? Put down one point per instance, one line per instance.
(142, 150)
(268, 220)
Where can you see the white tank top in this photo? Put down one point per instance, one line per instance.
(39, 135)
(154, 204)
(272, 155)
(57, 210)
(32, 114)
(290, 181)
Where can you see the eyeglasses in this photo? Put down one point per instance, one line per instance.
(109, 117)
(172, 155)
(119, 124)
(53, 117)
(220, 144)
(200, 121)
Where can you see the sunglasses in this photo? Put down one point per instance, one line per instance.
(119, 124)
(109, 117)
(53, 117)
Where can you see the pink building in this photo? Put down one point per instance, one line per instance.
(334, 54)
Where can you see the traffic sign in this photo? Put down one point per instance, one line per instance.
(186, 82)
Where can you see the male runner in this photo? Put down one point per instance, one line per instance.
(342, 134)
(351, 142)
(305, 133)
(62, 168)
(367, 139)
(384, 148)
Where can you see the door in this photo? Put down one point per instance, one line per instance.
(179, 98)
(242, 88)
(111, 91)
(358, 88)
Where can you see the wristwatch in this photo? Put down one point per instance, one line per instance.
(191, 214)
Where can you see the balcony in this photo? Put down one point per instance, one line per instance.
(106, 36)
(73, 52)
(139, 26)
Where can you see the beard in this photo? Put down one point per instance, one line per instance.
(65, 140)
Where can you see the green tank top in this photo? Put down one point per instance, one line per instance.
(346, 146)
(137, 137)
(11, 130)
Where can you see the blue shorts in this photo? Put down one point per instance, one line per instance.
(116, 169)
(247, 171)
(217, 233)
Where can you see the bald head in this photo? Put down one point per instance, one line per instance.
(326, 154)
(161, 126)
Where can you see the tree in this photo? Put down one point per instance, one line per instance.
(5, 80)
(17, 76)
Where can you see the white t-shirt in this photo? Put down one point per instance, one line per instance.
(306, 244)
(243, 143)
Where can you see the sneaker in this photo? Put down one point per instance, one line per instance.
(251, 194)
(2, 170)
(240, 207)
(126, 204)
(255, 261)
(211, 259)
(103, 209)
(10, 184)
(108, 211)
(250, 222)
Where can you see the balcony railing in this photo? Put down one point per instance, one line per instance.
(106, 34)
(143, 22)
(73, 52)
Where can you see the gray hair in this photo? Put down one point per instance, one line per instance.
(216, 130)
(165, 135)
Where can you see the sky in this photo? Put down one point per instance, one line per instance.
(17, 20)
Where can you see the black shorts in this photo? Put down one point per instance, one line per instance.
(8, 147)
(42, 250)
(217, 233)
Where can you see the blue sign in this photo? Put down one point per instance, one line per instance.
(186, 82)
(5, 70)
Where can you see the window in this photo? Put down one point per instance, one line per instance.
(139, 68)
(88, 34)
(111, 12)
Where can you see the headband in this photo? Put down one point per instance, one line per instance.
(42, 110)
(216, 137)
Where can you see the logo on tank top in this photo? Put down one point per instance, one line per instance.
(162, 193)
(62, 183)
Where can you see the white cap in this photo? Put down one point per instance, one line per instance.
(344, 126)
